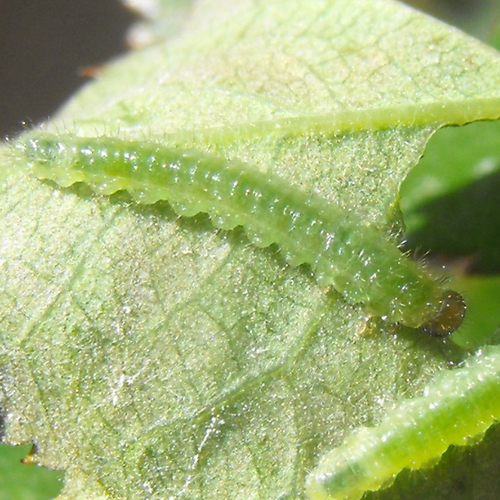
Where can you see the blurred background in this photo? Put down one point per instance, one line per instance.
(45, 50)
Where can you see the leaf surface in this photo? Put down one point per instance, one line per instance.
(155, 357)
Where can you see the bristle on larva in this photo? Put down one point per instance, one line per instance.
(357, 260)
(458, 406)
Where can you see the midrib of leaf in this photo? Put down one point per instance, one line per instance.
(436, 114)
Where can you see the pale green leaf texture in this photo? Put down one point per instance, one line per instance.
(155, 357)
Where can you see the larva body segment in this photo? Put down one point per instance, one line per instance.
(460, 405)
(344, 252)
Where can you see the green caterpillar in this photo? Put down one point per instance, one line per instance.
(461, 404)
(354, 258)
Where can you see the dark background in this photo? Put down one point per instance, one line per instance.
(45, 45)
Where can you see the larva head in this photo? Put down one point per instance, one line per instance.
(450, 316)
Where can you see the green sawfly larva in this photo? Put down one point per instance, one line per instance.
(344, 252)
(457, 407)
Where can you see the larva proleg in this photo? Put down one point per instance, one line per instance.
(457, 407)
(354, 258)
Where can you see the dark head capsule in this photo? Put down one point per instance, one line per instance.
(450, 316)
